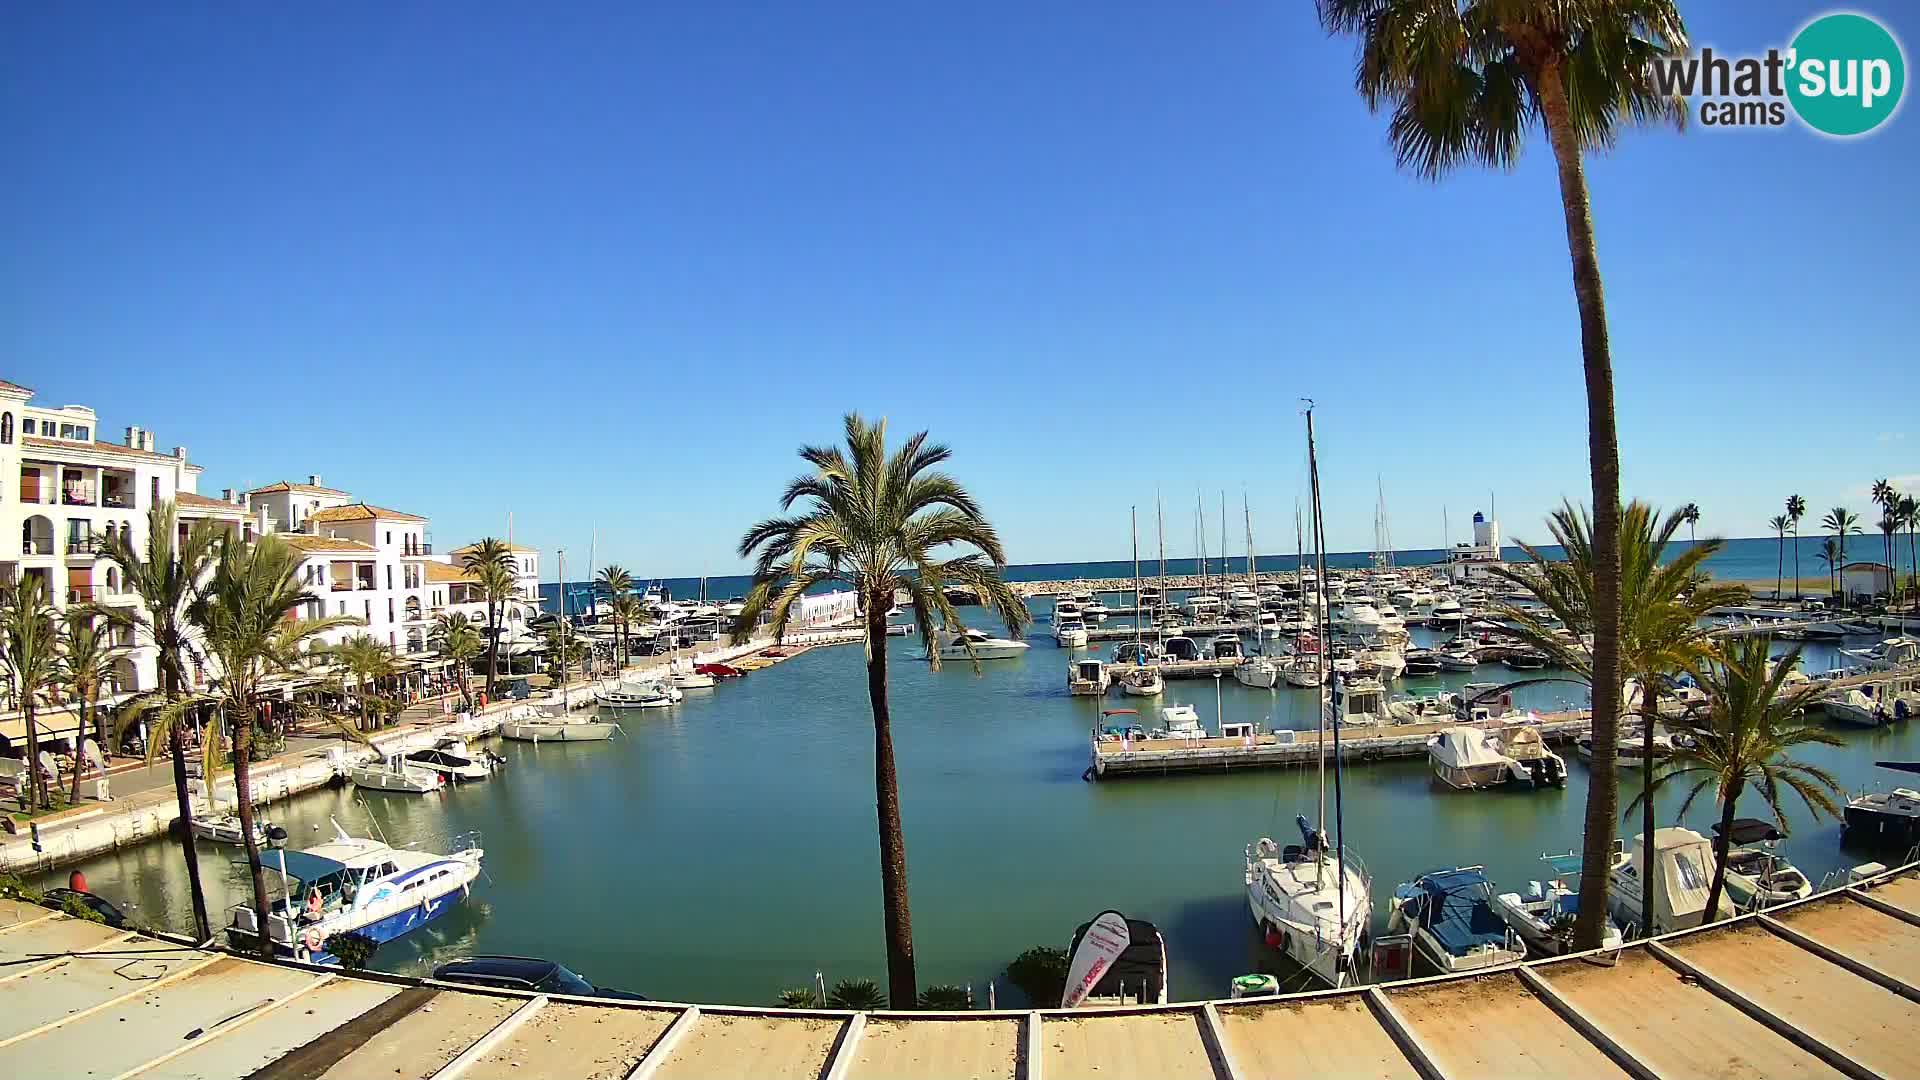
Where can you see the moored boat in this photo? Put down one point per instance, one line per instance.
(549, 727)
(394, 774)
(1543, 915)
(1451, 917)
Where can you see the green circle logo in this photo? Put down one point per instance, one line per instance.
(1846, 75)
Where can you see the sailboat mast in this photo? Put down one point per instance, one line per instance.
(1139, 611)
(1319, 629)
(1326, 712)
(1223, 542)
(1160, 523)
(1200, 539)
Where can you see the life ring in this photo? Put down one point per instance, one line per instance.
(314, 939)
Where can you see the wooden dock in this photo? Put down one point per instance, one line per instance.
(1112, 758)
(1828, 986)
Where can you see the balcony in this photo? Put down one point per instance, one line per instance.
(424, 548)
(342, 586)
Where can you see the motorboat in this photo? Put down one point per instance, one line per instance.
(396, 775)
(1544, 914)
(1070, 634)
(1894, 652)
(1630, 750)
(1143, 681)
(1266, 625)
(1066, 609)
(225, 829)
(1387, 662)
(1757, 875)
(1243, 601)
(1095, 612)
(1419, 663)
(1180, 647)
(683, 674)
(1458, 658)
(1530, 762)
(1890, 818)
(1684, 863)
(1525, 660)
(1446, 615)
(353, 885)
(1088, 677)
(1360, 701)
(1466, 758)
(728, 671)
(1225, 647)
(1258, 672)
(548, 727)
(1311, 903)
(1854, 707)
(1201, 607)
(1361, 618)
(1180, 722)
(1439, 707)
(1451, 917)
(629, 694)
(454, 760)
(1135, 974)
(970, 644)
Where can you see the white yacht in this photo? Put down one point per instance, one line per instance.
(684, 674)
(1544, 914)
(353, 885)
(453, 759)
(1854, 707)
(1067, 610)
(548, 727)
(1361, 701)
(1243, 601)
(1181, 722)
(1446, 615)
(1202, 607)
(629, 694)
(1452, 919)
(1684, 862)
(1311, 903)
(1884, 817)
(1259, 672)
(1757, 875)
(1095, 612)
(225, 829)
(1070, 633)
(1088, 677)
(970, 644)
(1143, 681)
(1894, 652)
(396, 775)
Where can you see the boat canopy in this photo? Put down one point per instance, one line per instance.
(1465, 748)
(1563, 865)
(301, 864)
(1456, 911)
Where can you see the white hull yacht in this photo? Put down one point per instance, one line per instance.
(394, 774)
(627, 694)
(547, 727)
(1311, 904)
(972, 644)
(1258, 672)
(1452, 918)
(1142, 681)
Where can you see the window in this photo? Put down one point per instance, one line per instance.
(343, 607)
(156, 489)
(389, 569)
(1690, 873)
(389, 609)
(246, 532)
(6, 427)
(83, 433)
(389, 542)
(368, 604)
(76, 533)
(26, 426)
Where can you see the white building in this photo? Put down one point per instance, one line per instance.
(1472, 563)
(1866, 580)
(455, 591)
(360, 560)
(60, 487)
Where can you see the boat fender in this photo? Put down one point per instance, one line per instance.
(1276, 939)
(313, 939)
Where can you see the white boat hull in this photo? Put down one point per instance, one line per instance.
(536, 731)
(1261, 676)
(413, 781)
(999, 651)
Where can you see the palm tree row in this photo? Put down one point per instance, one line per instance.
(490, 564)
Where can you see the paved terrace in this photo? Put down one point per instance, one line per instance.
(1827, 987)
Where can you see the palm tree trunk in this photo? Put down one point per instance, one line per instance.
(901, 990)
(36, 784)
(80, 745)
(1720, 852)
(493, 648)
(243, 792)
(1649, 712)
(1603, 451)
(177, 740)
(1780, 567)
(1796, 560)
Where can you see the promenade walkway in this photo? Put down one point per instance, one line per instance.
(1828, 987)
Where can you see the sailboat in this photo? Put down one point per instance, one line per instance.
(1259, 672)
(1143, 679)
(1313, 900)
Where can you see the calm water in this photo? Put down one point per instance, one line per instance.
(725, 849)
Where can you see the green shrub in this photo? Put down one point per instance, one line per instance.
(857, 994)
(354, 951)
(14, 887)
(799, 997)
(76, 907)
(946, 997)
(1041, 974)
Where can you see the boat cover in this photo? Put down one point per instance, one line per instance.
(1748, 830)
(1138, 965)
(1456, 911)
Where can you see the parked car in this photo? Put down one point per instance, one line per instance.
(524, 973)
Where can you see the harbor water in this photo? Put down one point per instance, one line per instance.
(724, 849)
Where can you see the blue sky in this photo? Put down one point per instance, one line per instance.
(607, 266)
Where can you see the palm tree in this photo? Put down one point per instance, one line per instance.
(615, 583)
(165, 576)
(29, 632)
(1796, 509)
(457, 640)
(563, 651)
(1661, 604)
(1829, 554)
(1690, 514)
(1468, 82)
(1909, 510)
(1778, 523)
(1840, 521)
(628, 612)
(247, 617)
(1889, 530)
(1888, 500)
(874, 522)
(87, 655)
(1741, 741)
(367, 660)
(490, 562)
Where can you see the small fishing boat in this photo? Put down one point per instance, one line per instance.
(394, 774)
(1684, 861)
(353, 885)
(1451, 916)
(1088, 677)
(628, 694)
(1526, 660)
(1466, 758)
(454, 759)
(1757, 875)
(548, 727)
(1544, 914)
(1854, 707)
(225, 829)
